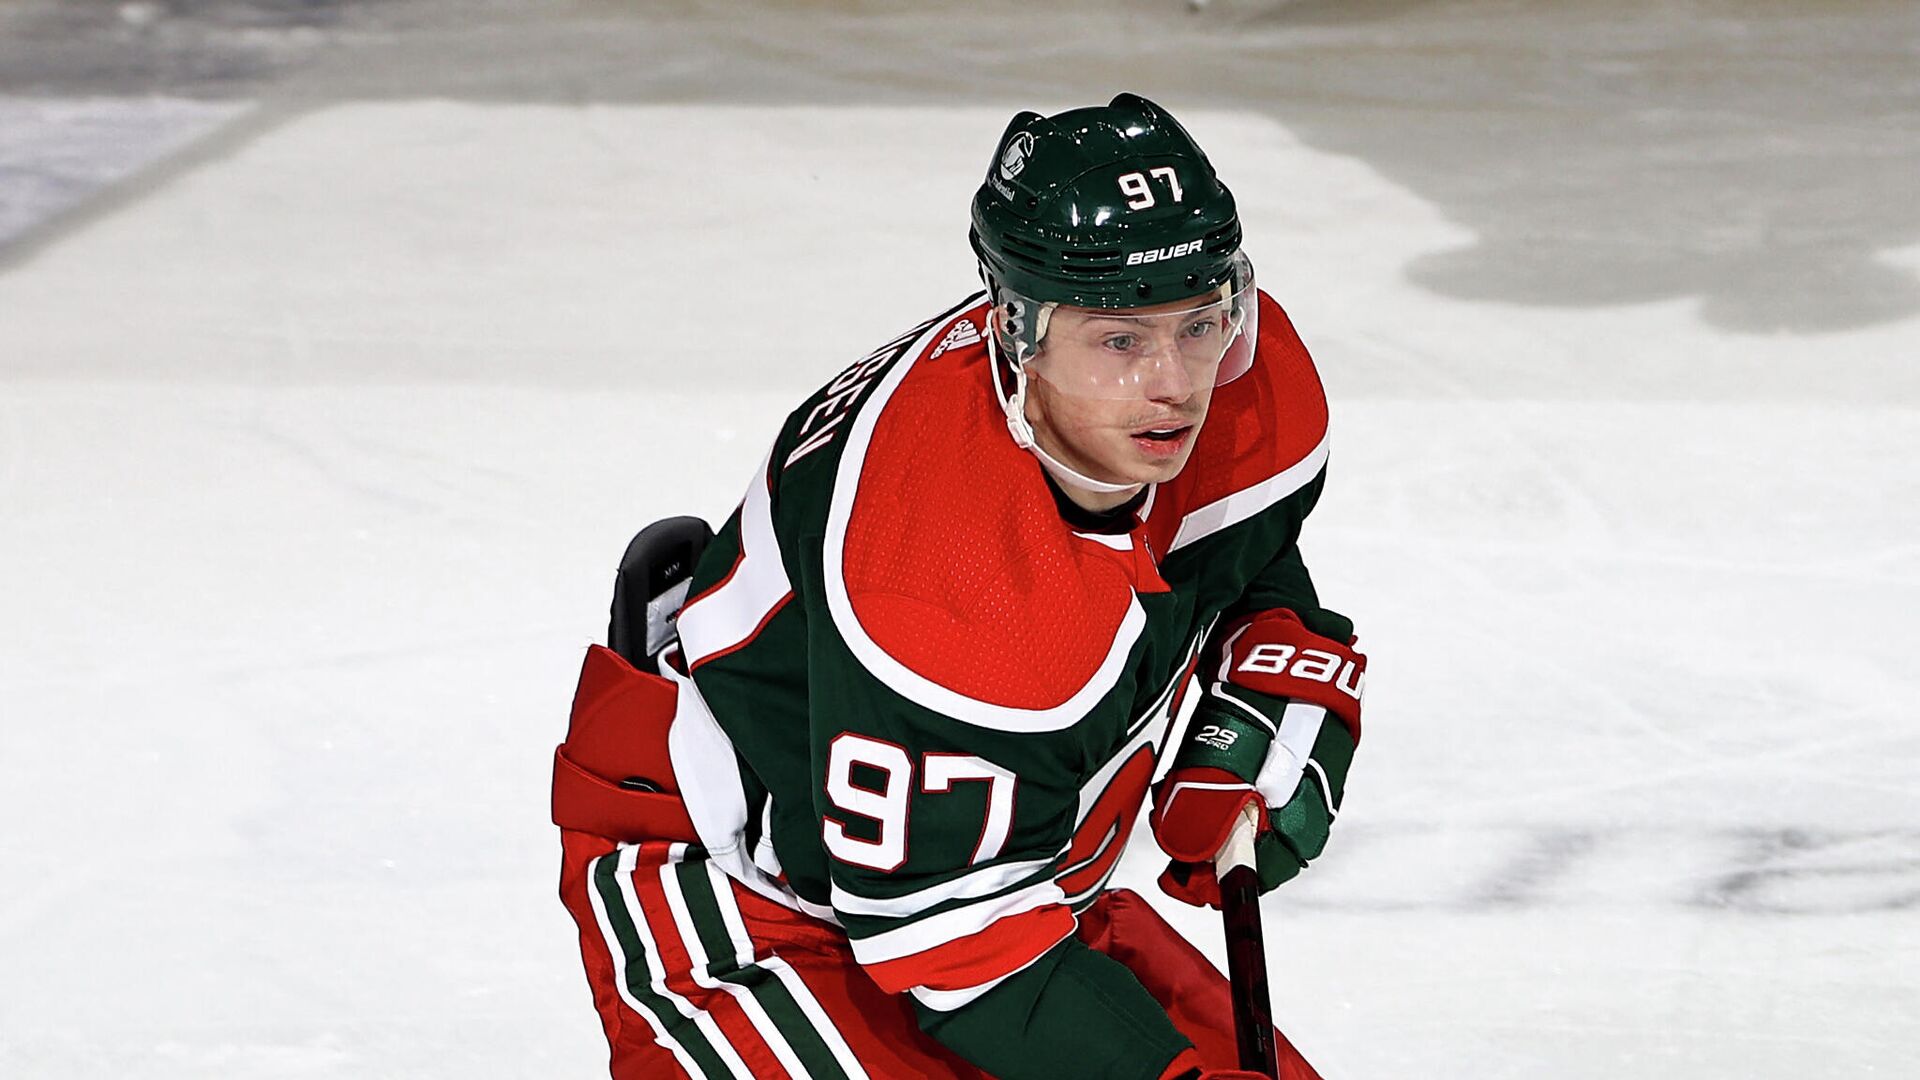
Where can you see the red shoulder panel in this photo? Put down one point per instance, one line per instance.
(957, 563)
(1257, 426)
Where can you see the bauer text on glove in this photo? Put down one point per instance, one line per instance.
(1276, 725)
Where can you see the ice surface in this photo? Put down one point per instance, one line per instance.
(316, 453)
(62, 152)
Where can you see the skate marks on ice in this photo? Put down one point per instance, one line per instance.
(1736, 870)
(1792, 871)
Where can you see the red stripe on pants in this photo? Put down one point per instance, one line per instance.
(630, 1037)
(676, 958)
(879, 1027)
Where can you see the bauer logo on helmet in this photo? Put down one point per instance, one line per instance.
(1171, 251)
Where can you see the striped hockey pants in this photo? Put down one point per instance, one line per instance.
(695, 976)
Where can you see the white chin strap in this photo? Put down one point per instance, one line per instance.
(1022, 429)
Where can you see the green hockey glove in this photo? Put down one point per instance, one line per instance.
(1276, 726)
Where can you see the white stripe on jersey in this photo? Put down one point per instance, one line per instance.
(937, 930)
(698, 746)
(729, 615)
(1152, 729)
(981, 882)
(1243, 504)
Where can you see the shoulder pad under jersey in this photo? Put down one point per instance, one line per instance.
(947, 568)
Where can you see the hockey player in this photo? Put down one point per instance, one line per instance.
(861, 822)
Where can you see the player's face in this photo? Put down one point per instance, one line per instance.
(1120, 396)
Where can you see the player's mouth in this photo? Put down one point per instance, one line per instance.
(1163, 440)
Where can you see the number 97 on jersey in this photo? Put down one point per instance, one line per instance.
(876, 780)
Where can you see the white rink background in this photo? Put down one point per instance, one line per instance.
(315, 459)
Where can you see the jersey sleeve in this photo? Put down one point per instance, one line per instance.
(1285, 582)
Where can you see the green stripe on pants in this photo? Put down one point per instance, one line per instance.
(606, 881)
(766, 987)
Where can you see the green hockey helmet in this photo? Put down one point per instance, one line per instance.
(1107, 207)
(1112, 206)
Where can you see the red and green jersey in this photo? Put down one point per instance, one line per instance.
(936, 701)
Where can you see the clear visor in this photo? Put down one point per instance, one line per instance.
(1164, 352)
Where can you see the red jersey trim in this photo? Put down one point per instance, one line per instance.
(745, 641)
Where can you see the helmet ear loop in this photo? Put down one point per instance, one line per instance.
(1236, 302)
(1238, 294)
(1015, 405)
(1017, 423)
(1024, 345)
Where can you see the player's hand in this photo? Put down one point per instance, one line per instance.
(1275, 728)
(1288, 838)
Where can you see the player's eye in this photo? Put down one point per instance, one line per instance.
(1121, 342)
(1202, 327)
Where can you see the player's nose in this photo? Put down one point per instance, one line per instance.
(1165, 376)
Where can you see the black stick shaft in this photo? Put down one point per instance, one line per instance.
(1247, 970)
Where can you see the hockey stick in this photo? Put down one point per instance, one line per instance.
(1246, 951)
(651, 584)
